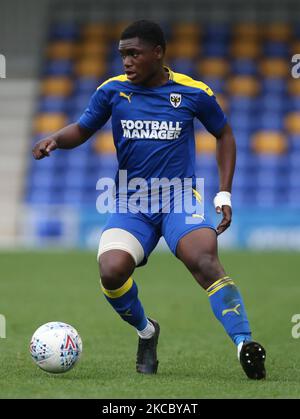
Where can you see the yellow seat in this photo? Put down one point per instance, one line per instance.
(243, 86)
(49, 122)
(92, 49)
(61, 50)
(222, 101)
(280, 32)
(95, 31)
(269, 142)
(250, 31)
(56, 86)
(213, 67)
(183, 49)
(205, 142)
(295, 47)
(292, 122)
(90, 67)
(116, 30)
(245, 48)
(274, 67)
(186, 31)
(104, 143)
(294, 87)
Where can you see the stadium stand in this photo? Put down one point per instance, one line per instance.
(245, 65)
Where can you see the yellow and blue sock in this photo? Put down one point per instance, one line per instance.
(126, 303)
(228, 307)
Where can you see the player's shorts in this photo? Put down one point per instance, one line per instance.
(144, 231)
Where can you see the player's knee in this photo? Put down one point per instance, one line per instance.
(208, 266)
(115, 269)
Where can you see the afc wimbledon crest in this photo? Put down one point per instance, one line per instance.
(175, 99)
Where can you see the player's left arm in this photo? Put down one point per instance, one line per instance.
(226, 158)
(209, 112)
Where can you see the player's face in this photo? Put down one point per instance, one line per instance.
(141, 60)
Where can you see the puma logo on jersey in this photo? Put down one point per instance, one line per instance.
(234, 310)
(128, 97)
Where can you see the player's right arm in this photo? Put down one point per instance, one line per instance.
(68, 137)
(94, 117)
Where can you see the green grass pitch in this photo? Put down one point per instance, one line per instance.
(197, 359)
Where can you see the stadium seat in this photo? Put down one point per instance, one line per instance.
(59, 68)
(61, 50)
(90, 67)
(183, 49)
(245, 49)
(247, 31)
(187, 31)
(219, 32)
(213, 48)
(52, 104)
(104, 143)
(294, 87)
(269, 142)
(205, 142)
(67, 31)
(91, 50)
(49, 122)
(292, 122)
(95, 32)
(294, 141)
(274, 85)
(57, 86)
(244, 67)
(243, 86)
(270, 120)
(213, 67)
(278, 32)
(276, 49)
(274, 67)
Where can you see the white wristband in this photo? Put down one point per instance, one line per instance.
(222, 198)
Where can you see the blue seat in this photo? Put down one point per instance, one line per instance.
(64, 31)
(72, 196)
(294, 142)
(293, 178)
(270, 121)
(52, 104)
(116, 66)
(276, 49)
(240, 120)
(217, 32)
(293, 197)
(58, 68)
(49, 228)
(242, 104)
(272, 102)
(206, 161)
(242, 138)
(43, 197)
(294, 160)
(274, 85)
(87, 85)
(244, 67)
(181, 65)
(294, 104)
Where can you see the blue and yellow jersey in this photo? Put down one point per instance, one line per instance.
(153, 128)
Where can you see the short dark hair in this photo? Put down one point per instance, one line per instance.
(146, 30)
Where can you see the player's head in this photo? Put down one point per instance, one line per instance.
(142, 46)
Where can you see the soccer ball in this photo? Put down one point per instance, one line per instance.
(56, 347)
